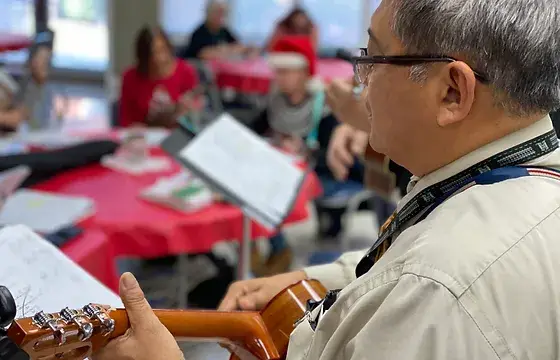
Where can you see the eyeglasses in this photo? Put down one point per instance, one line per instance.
(364, 64)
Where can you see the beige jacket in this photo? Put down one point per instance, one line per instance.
(479, 278)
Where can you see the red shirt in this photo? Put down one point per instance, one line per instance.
(137, 91)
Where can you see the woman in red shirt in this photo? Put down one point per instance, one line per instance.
(158, 89)
(297, 22)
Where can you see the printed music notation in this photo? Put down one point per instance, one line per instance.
(40, 277)
(246, 168)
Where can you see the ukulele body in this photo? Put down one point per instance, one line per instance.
(377, 175)
(283, 312)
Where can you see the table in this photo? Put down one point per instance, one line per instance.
(254, 76)
(137, 228)
(12, 42)
(92, 251)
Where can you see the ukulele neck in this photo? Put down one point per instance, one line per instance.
(239, 328)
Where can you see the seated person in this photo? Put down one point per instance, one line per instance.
(297, 22)
(11, 114)
(349, 139)
(294, 117)
(38, 67)
(158, 89)
(212, 39)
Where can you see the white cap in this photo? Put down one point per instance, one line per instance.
(287, 60)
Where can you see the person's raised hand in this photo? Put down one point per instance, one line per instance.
(188, 102)
(346, 105)
(346, 143)
(147, 338)
(254, 294)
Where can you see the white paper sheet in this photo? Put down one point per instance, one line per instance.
(40, 277)
(44, 212)
(10, 180)
(247, 166)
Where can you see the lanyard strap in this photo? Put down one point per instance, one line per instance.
(428, 199)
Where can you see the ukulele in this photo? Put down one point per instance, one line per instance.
(76, 334)
(377, 176)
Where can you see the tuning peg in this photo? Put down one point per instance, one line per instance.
(7, 307)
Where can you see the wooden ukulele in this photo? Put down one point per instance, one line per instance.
(76, 334)
(377, 175)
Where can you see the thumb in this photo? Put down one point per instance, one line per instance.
(140, 314)
(253, 301)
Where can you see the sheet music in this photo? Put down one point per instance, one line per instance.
(247, 166)
(40, 277)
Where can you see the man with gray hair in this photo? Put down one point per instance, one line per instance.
(458, 92)
(212, 39)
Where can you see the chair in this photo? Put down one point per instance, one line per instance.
(337, 208)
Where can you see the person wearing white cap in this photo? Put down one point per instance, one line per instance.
(296, 118)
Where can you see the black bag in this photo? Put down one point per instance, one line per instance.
(47, 164)
(209, 293)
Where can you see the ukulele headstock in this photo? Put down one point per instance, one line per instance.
(69, 334)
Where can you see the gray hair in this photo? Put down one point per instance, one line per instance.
(515, 43)
(212, 4)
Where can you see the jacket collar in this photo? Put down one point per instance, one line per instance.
(417, 184)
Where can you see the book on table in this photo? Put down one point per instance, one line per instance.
(241, 166)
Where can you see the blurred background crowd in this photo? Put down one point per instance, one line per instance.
(74, 69)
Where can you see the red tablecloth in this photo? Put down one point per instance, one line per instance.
(11, 42)
(136, 227)
(93, 252)
(255, 76)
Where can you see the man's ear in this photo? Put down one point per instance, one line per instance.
(457, 93)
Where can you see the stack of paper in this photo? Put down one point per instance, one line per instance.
(45, 212)
(41, 278)
(153, 136)
(182, 192)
